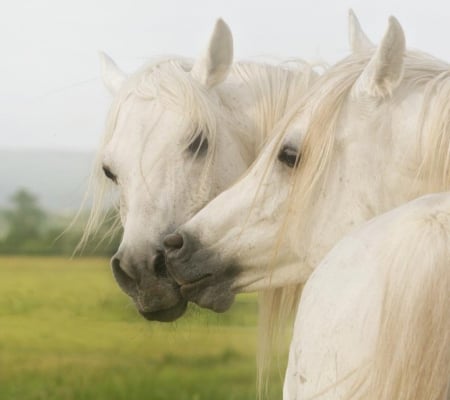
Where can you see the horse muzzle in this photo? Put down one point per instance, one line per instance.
(204, 278)
(155, 293)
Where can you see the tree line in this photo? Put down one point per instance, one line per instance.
(26, 228)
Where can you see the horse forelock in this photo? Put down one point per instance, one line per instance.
(274, 89)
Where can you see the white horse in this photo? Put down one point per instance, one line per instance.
(374, 318)
(178, 133)
(372, 133)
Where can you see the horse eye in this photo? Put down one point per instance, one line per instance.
(199, 145)
(109, 174)
(289, 156)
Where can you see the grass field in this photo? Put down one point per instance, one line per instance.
(67, 332)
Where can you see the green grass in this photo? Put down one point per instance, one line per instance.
(67, 332)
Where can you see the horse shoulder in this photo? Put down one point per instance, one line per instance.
(337, 323)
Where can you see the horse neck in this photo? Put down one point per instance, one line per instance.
(258, 96)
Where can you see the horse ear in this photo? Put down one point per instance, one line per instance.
(213, 67)
(385, 70)
(112, 76)
(359, 42)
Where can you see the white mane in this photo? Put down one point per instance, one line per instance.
(412, 351)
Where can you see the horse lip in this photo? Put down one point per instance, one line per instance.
(167, 314)
(178, 277)
(206, 292)
(195, 281)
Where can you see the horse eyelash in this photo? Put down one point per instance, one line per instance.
(109, 174)
(199, 145)
(289, 156)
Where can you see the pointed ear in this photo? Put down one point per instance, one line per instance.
(358, 40)
(213, 67)
(112, 76)
(384, 71)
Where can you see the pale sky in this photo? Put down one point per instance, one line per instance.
(51, 95)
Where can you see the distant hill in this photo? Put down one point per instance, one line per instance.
(57, 178)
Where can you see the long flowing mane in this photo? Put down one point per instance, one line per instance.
(435, 134)
(166, 81)
(324, 101)
(274, 88)
(411, 359)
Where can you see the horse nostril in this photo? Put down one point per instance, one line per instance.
(159, 265)
(125, 281)
(174, 241)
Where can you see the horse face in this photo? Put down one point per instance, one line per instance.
(163, 180)
(169, 152)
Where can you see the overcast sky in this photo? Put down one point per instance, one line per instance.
(51, 95)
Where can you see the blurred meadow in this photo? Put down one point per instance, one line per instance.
(67, 332)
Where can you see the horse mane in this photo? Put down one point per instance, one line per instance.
(166, 80)
(434, 146)
(324, 101)
(411, 357)
(274, 88)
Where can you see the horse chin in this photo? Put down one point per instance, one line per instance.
(160, 302)
(207, 284)
(209, 292)
(204, 276)
(166, 315)
(157, 297)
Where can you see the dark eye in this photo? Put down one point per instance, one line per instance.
(199, 145)
(289, 156)
(109, 174)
